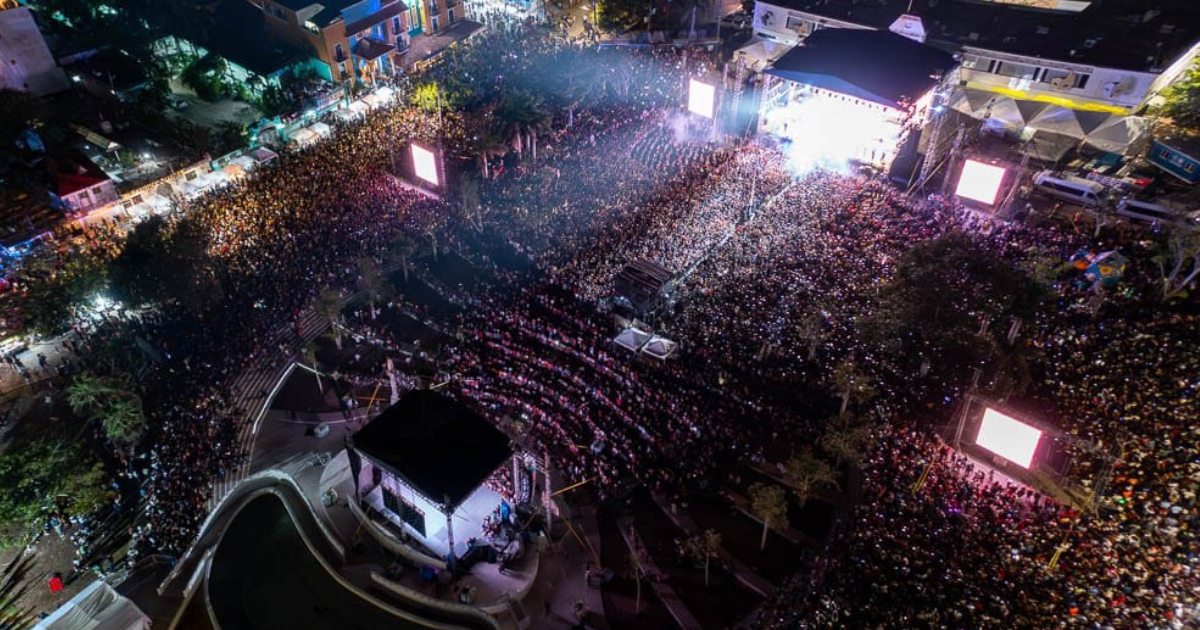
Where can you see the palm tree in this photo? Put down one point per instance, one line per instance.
(521, 115)
(769, 504)
(703, 547)
(329, 306)
(845, 441)
(124, 420)
(633, 570)
(87, 392)
(401, 250)
(373, 282)
(14, 616)
(806, 474)
(852, 384)
(310, 357)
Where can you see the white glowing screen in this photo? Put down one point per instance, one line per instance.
(700, 98)
(979, 182)
(425, 164)
(1008, 438)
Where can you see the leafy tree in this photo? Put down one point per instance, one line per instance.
(123, 419)
(621, 14)
(940, 294)
(35, 473)
(329, 306)
(703, 548)
(807, 473)
(14, 616)
(769, 504)
(158, 264)
(521, 115)
(88, 392)
(1182, 99)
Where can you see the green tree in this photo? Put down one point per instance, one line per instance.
(845, 441)
(768, 503)
(89, 392)
(806, 474)
(703, 547)
(123, 420)
(1181, 101)
(160, 263)
(329, 306)
(940, 296)
(1178, 262)
(401, 252)
(852, 384)
(36, 472)
(520, 117)
(373, 282)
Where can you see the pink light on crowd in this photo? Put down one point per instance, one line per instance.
(1007, 437)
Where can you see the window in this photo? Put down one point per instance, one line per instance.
(342, 70)
(339, 53)
(1190, 167)
(1016, 70)
(1052, 75)
(451, 16)
(410, 515)
(434, 21)
(396, 25)
(797, 24)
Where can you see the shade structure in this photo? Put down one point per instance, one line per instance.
(1120, 134)
(1051, 147)
(632, 339)
(321, 129)
(1069, 122)
(969, 101)
(97, 607)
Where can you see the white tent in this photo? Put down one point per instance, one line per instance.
(1120, 134)
(321, 129)
(262, 155)
(632, 339)
(303, 137)
(97, 607)
(1051, 147)
(346, 114)
(660, 347)
(359, 107)
(969, 101)
(1069, 122)
(246, 162)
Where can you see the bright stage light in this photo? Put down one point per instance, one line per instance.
(700, 98)
(829, 132)
(425, 164)
(1009, 438)
(980, 182)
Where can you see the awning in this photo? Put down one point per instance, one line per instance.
(632, 339)
(262, 155)
(97, 607)
(321, 129)
(360, 107)
(760, 53)
(370, 49)
(660, 347)
(304, 136)
(1069, 122)
(969, 101)
(1120, 134)
(1051, 147)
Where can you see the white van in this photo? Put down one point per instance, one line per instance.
(1073, 189)
(1147, 212)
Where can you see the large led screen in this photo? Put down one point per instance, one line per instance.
(700, 98)
(980, 182)
(425, 164)
(1007, 437)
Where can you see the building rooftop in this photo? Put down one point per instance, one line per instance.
(239, 35)
(436, 445)
(876, 66)
(1138, 35)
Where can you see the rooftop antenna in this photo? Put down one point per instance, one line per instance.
(909, 6)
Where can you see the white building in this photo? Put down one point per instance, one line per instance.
(25, 62)
(1108, 57)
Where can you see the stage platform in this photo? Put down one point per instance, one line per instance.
(468, 520)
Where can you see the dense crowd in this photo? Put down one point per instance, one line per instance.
(775, 273)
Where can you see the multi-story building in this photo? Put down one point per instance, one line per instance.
(25, 62)
(358, 39)
(1108, 56)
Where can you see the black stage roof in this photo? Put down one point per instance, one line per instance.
(436, 445)
(1126, 34)
(877, 66)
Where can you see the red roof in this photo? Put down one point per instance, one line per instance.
(70, 183)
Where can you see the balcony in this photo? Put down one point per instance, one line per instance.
(386, 13)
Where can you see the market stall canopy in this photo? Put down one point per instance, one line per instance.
(969, 101)
(1049, 146)
(97, 607)
(321, 129)
(1069, 122)
(1120, 134)
(632, 339)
